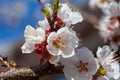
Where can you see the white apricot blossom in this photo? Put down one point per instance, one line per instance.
(36, 36)
(109, 67)
(82, 66)
(63, 42)
(68, 16)
(32, 37)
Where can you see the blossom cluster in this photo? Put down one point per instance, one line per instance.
(109, 24)
(56, 41)
(54, 36)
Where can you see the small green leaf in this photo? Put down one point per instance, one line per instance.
(56, 4)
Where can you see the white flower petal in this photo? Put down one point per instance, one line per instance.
(50, 47)
(51, 37)
(53, 50)
(105, 51)
(69, 16)
(27, 48)
(68, 41)
(76, 17)
(72, 73)
(92, 66)
(69, 38)
(67, 52)
(69, 61)
(40, 35)
(29, 33)
(85, 54)
(113, 71)
(44, 24)
(54, 59)
(34, 36)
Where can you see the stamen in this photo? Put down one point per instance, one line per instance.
(82, 66)
(58, 43)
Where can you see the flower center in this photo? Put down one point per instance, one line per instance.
(82, 66)
(58, 43)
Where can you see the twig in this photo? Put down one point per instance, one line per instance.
(47, 69)
(32, 73)
(42, 5)
(4, 62)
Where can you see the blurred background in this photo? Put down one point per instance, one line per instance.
(16, 14)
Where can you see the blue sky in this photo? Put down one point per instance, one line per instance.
(13, 20)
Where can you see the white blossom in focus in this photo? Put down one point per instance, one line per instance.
(68, 16)
(108, 63)
(32, 37)
(63, 42)
(44, 24)
(82, 66)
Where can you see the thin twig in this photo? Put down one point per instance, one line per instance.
(41, 3)
(4, 62)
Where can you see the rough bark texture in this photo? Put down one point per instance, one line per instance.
(33, 73)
